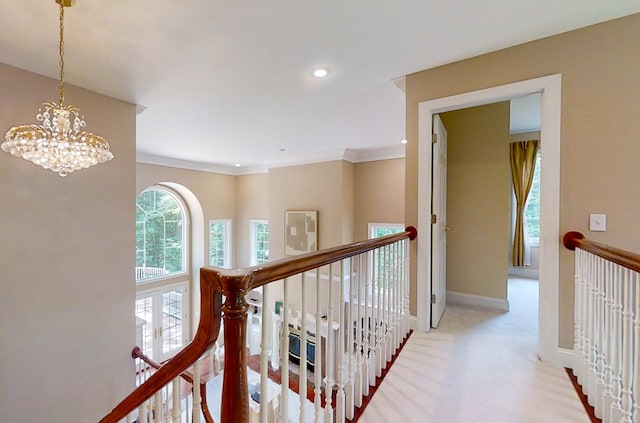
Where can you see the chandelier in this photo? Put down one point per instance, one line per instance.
(59, 143)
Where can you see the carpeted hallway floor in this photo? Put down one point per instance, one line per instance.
(479, 366)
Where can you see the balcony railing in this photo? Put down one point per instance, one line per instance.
(343, 314)
(607, 328)
(150, 272)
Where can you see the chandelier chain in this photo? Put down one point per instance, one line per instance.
(61, 54)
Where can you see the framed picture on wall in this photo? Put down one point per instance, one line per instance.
(301, 232)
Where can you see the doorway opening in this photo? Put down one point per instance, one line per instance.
(550, 89)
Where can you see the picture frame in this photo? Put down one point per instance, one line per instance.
(301, 232)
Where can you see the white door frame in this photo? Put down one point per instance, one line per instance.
(548, 308)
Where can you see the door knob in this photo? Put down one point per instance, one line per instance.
(447, 228)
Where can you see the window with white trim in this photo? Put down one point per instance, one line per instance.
(220, 243)
(259, 241)
(161, 238)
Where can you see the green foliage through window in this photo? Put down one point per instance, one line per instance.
(532, 208)
(260, 241)
(160, 224)
(218, 243)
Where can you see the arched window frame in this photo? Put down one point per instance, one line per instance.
(185, 239)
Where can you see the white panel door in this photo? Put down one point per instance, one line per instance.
(439, 228)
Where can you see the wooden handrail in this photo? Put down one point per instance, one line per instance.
(276, 270)
(573, 240)
(137, 353)
(234, 285)
(186, 375)
(206, 335)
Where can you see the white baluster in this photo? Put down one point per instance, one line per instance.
(385, 307)
(407, 282)
(317, 375)
(590, 344)
(175, 400)
(284, 388)
(340, 397)
(302, 391)
(197, 399)
(392, 296)
(330, 354)
(600, 337)
(578, 313)
(264, 354)
(627, 346)
(379, 280)
(158, 416)
(609, 338)
(635, 417)
(350, 327)
(368, 309)
(616, 358)
(359, 323)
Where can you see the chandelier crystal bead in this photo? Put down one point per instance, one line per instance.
(59, 143)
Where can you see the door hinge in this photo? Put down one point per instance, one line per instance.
(434, 138)
(434, 219)
(433, 298)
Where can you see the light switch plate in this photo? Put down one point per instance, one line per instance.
(597, 222)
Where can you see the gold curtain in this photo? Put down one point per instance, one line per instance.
(523, 163)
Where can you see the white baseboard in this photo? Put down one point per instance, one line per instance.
(413, 323)
(565, 357)
(477, 300)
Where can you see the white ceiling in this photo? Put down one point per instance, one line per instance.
(227, 82)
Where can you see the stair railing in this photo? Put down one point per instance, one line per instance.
(371, 281)
(607, 328)
(172, 401)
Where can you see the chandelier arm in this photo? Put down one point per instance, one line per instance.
(61, 49)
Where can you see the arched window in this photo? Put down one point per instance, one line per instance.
(161, 246)
(162, 272)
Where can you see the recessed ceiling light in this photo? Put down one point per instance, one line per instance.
(321, 72)
(237, 164)
(404, 141)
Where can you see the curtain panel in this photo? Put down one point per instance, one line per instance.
(523, 162)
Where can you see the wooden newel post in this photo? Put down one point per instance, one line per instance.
(235, 390)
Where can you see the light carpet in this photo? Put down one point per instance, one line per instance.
(478, 366)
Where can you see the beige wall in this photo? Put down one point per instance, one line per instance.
(478, 200)
(66, 320)
(600, 127)
(378, 194)
(320, 186)
(252, 203)
(348, 201)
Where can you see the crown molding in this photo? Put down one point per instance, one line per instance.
(346, 154)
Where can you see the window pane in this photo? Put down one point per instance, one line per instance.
(532, 209)
(160, 235)
(260, 242)
(219, 244)
(171, 320)
(144, 310)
